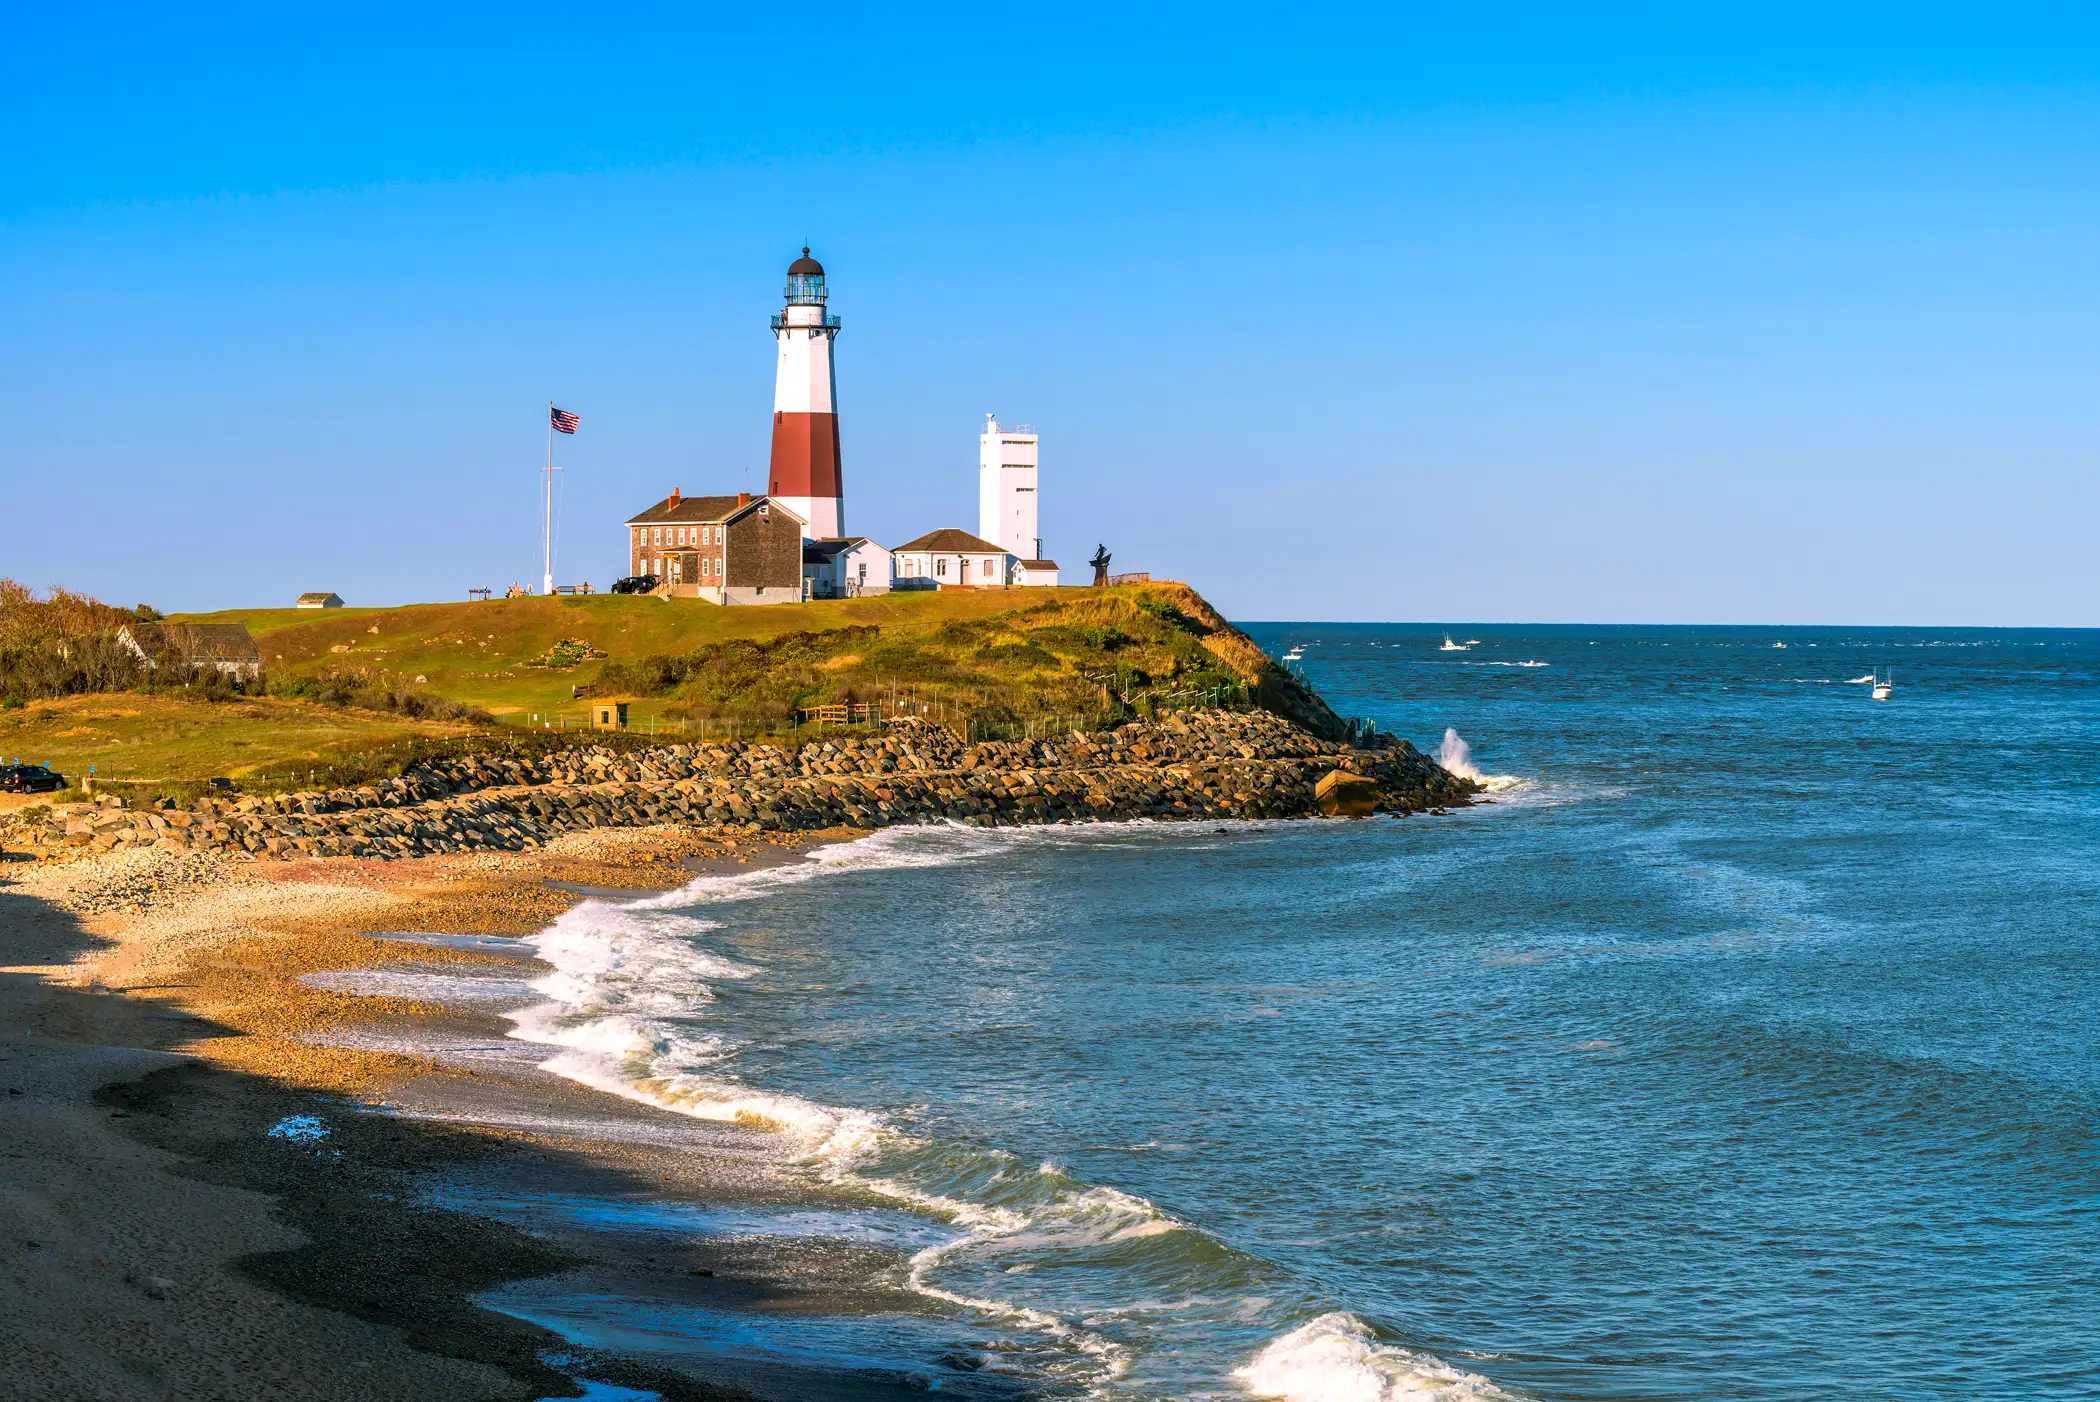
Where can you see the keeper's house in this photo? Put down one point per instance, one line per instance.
(727, 550)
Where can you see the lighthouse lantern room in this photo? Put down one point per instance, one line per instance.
(805, 468)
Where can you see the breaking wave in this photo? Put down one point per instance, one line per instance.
(631, 987)
(1456, 756)
(1336, 1358)
(629, 982)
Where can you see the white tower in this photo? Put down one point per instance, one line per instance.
(805, 470)
(1006, 463)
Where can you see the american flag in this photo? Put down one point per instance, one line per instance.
(564, 421)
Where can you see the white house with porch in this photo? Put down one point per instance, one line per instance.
(952, 559)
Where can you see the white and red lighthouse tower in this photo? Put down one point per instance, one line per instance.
(805, 472)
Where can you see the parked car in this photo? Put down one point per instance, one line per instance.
(636, 584)
(30, 778)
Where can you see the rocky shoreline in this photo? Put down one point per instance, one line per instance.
(1196, 765)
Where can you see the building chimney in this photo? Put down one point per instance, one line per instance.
(743, 499)
(674, 498)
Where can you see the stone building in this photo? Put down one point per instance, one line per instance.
(728, 550)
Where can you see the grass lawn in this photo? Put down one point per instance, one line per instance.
(1046, 659)
(476, 652)
(165, 739)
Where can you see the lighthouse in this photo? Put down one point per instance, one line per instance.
(805, 471)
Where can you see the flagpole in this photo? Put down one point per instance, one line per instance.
(547, 510)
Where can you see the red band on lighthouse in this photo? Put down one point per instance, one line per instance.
(806, 455)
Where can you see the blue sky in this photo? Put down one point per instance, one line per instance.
(1573, 313)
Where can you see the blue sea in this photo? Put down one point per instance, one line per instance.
(1742, 1045)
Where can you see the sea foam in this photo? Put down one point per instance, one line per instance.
(630, 984)
(1336, 1358)
(1456, 757)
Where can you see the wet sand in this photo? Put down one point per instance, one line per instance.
(158, 1016)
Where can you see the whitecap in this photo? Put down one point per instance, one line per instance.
(1336, 1358)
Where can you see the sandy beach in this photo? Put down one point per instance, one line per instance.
(155, 1025)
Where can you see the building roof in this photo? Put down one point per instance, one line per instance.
(685, 511)
(319, 596)
(196, 642)
(1039, 564)
(817, 552)
(805, 266)
(950, 541)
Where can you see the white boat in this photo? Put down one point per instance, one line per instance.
(1779, 644)
(1450, 646)
(1884, 682)
(1296, 654)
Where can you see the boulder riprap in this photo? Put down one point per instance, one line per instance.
(1202, 764)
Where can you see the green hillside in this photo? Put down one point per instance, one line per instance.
(1000, 655)
(354, 693)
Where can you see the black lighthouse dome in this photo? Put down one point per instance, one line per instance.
(805, 281)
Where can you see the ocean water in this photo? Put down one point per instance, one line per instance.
(1743, 1046)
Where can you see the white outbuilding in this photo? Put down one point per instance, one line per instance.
(844, 569)
(952, 559)
(1035, 572)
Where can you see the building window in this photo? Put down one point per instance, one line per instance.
(987, 569)
(940, 567)
(864, 572)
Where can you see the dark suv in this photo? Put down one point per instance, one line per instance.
(29, 778)
(636, 584)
